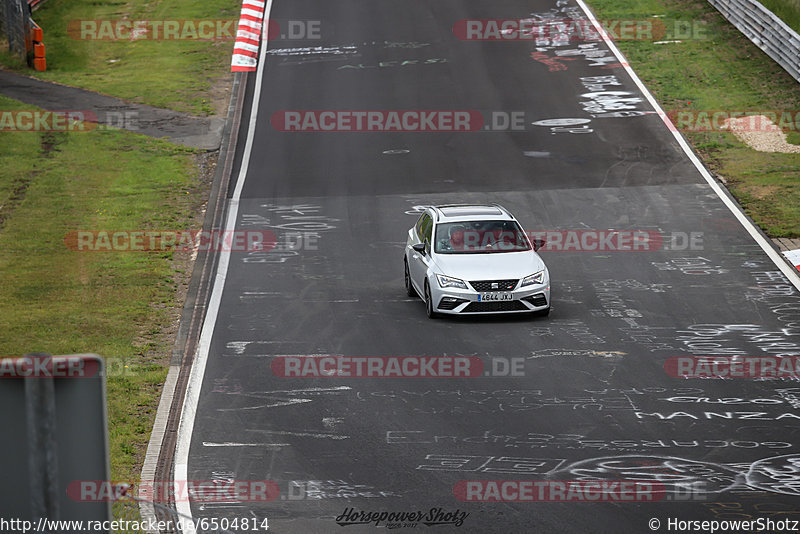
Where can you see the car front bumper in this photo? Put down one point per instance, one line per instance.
(468, 301)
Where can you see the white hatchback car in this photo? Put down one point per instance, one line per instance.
(474, 259)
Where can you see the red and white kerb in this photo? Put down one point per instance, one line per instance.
(248, 36)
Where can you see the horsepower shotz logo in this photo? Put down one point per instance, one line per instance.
(377, 121)
(404, 519)
(377, 366)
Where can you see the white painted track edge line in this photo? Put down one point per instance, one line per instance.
(195, 381)
(791, 274)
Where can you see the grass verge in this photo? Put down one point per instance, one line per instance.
(722, 71)
(175, 73)
(124, 306)
(121, 305)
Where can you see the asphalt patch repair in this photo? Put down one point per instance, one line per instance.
(204, 133)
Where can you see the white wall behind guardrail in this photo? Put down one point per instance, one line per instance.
(766, 30)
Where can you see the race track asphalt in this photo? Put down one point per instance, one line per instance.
(594, 400)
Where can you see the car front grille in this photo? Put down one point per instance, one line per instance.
(495, 306)
(537, 300)
(494, 285)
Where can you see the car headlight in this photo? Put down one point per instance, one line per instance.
(536, 278)
(446, 281)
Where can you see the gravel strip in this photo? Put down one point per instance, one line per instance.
(760, 133)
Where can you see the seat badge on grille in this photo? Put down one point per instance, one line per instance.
(495, 285)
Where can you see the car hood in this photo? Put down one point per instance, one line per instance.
(493, 266)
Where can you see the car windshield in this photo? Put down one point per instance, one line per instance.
(480, 237)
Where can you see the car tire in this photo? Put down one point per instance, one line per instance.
(429, 303)
(542, 313)
(410, 291)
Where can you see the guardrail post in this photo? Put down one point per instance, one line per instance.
(14, 16)
(23, 34)
(3, 17)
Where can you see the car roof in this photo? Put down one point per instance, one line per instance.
(470, 212)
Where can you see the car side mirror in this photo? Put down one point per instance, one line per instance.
(419, 247)
(538, 243)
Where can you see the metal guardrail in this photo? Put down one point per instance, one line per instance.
(23, 35)
(765, 30)
(13, 19)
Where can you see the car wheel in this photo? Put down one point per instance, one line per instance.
(410, 291)
(429, 302)
(542, 313)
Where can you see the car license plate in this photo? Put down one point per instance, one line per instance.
(488, 297)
